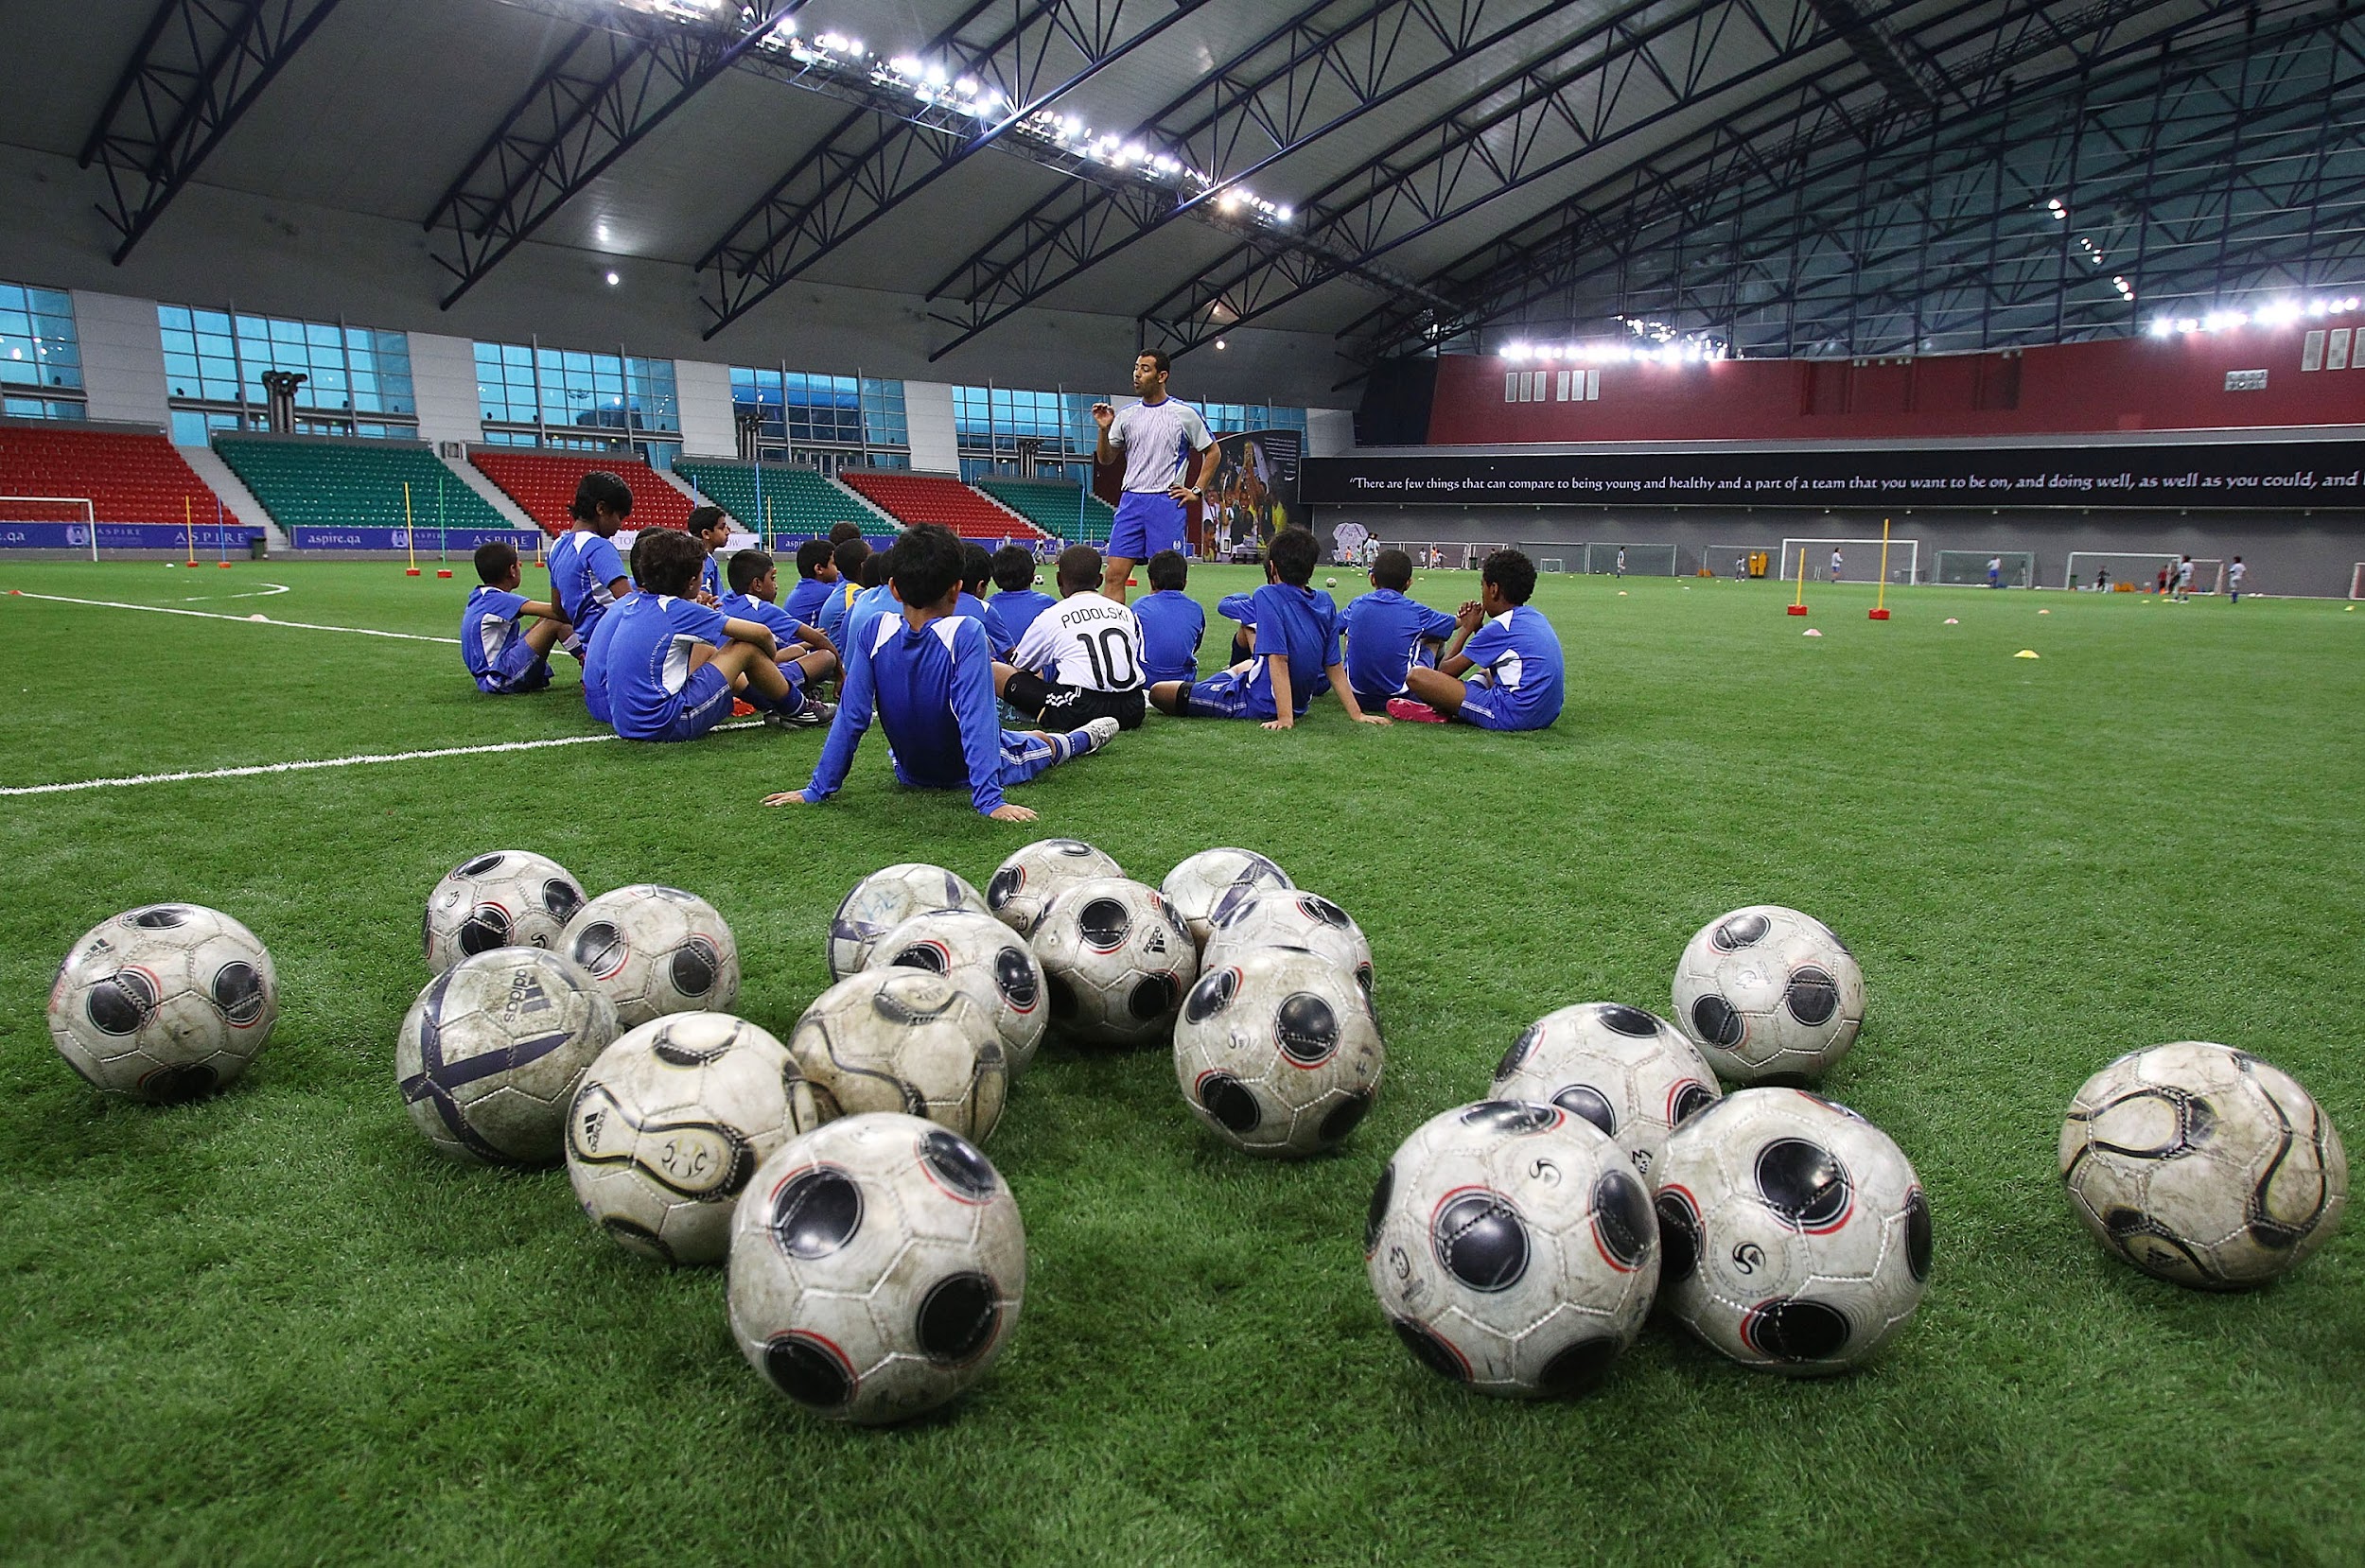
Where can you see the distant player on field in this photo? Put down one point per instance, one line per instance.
(1081, 659)
(805, 655)
(1995, 571)
(1503, 669)
(927, 676)
(1835, 562)
(1297, 643)
(672, 662)
(2235, 575)
(1387, 633)
(1159, 437)
(2184, 578)
(1172, 623)
(502, 650)
(587, 574)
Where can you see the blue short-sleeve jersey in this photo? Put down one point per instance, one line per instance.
(1172, 627)
(1384, 629)
(1011, 613)
(764, 613)
(804, 600)
(1520, 654)
(648, 660)
(1302, 625)
(710, 575)
(1240, 607)
(488, 625)
(595, 652)
(841, 596)
(932, 688)
(582, 567)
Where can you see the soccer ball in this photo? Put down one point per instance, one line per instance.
(509, 899)
(883, 900)
(491, 1054)
(1213, 882)
(1769, 996)
(993, 960)
(1798, 1237)
(164, 1003)
(1513, 1249)
(877, 1268)
(1629, 1073)
(654, 950)
(1023, 885)
(903, 1039)
(1279, 917)
(1278, 1053)
(669, 1126)
(1117, 959)
(2204, 1165)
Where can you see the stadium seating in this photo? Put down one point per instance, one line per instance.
(126, 475)
(1059, 506)
(543, 485)
(927, 498)
(325, 483)
(797, 503)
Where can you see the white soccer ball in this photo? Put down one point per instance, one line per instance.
(2204, 1165)
(1769, 996)
(1796, 1235)
(1629, 1073)
(1210, 884)
(654, 950)
(906, 1040)
(1023, 885)
(1277, 1052)
(878, 1266)
(1513, 1249)
(994, 961)
(492, 1053)
(509, 899)
(1277, 917)
(887, 898)
(166, 1002)
(670, 1125)
(1118, 962)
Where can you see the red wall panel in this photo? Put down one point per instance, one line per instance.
(2101, 388)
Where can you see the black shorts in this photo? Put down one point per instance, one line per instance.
(1065, 707)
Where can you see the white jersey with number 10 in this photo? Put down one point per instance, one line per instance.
(1084, 640)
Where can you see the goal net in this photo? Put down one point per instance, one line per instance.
(1860, 560)
(1738, 559)
(75, 513)
(2015, 568)
(1641, 560)
(2138, 571)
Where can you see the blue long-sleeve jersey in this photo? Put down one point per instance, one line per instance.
(932, 687)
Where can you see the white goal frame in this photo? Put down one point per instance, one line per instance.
(1601, 558)
(1560, 565)
(2208, 571)
(90, 514)
(1821, 572)
(1976, 573)
(1715, 554)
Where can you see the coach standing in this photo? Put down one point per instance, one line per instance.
(1159, 437)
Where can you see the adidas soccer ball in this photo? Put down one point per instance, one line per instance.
(1769, 996)
(508, 898)
(1629, 1073)
(981, 953)
(883, 900)
(492, 1053)
(2204, 1165)
(1213, 882)
(1292, 918)
(903, 1039)
(669, 1126)
(1117, 960)
(877, 1268)
(164, 1003)
(1278, 1053)
(1513, 1249)
(654, 950)
(1796, 1235)
(1023, 885)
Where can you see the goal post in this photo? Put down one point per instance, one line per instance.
(1745, 560)
(2016, 568)
(2140, 569)
(68, 510)
(1860, 560)
(2357, 581)
(1641, 560)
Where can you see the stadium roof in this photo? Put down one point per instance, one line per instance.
(1782, 176)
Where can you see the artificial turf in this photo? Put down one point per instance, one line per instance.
(275, 1327)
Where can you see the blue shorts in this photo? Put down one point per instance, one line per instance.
(1146, 522)
(517, 667)
(1224, 695)
(1490, 710)
(706, 702)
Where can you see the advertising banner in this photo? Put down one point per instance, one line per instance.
(209, 540)
(458, 541)
(1255, 494)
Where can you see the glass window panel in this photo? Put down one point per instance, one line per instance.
(12, 298)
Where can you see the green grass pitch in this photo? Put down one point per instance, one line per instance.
(274, 1327)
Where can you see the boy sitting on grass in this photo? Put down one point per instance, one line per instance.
(587, 574)
(815, 571)
(1387, 633)
(755, 583)
(849, 555)
(1503, 669)
(976, 572)
(502, 653)
(1172, 623)
(928, 675)
(713, 530)
(1016, 600)
(1297, 643)
(1082, 658)
(671, 663)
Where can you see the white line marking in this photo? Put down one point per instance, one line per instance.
(313, 764)
(264, 592)
(217, 614)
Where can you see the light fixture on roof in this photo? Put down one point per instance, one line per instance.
(1221, 344)
(614, 278)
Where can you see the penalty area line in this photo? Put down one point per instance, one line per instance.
(314, 764)
(243, 621)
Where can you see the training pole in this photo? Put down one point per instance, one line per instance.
(1798, 603)
(221, 537)
(1881, 599)
(188, 527)
(442, 541)
(411, 534)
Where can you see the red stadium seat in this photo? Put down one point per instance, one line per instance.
(128, 477)
(930, 498)
(543, 485)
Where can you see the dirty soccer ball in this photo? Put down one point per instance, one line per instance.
(981, 953)
(164, 1003)
(1119, 961)
(2204, 1165)
(1277, 1052)
(654, 950)
(886, 900)
(1283, 918)
(493, 1050)
(1629, 1073)
(1213, 882)
(509, 899)
(1023, 885)
(1769, 996)
(907, 1041)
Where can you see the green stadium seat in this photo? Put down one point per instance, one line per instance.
(796, 502)
(1059, 506)
(321, 482)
